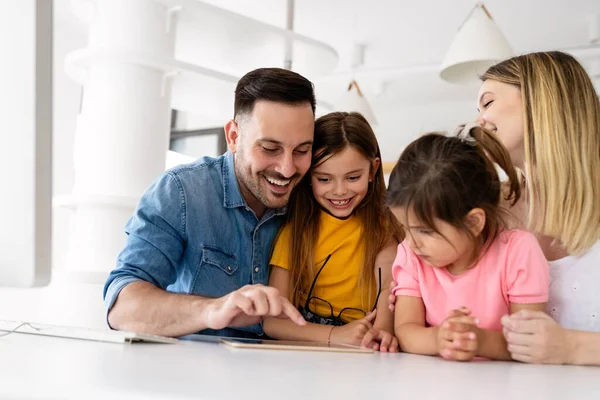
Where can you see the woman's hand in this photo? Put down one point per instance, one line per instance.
(534, 337)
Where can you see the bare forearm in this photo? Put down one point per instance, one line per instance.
(287, 330)
(142, 307)
(492, 345)
(586, 347)
(417, 339)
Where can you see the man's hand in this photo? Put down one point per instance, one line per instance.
(458, 336)
(248, 306)
(534, 337)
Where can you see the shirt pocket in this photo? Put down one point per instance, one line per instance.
(217, 273)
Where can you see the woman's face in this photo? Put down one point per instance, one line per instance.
(501, 111)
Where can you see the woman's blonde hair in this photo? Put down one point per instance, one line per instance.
(561, 114)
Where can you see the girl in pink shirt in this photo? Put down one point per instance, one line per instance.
(459, 269)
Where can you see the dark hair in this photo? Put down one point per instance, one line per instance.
(334, 133)
(272, 84)
(445, 177)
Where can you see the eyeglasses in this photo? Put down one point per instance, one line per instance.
(343, 317)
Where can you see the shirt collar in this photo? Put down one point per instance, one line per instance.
(232, 197)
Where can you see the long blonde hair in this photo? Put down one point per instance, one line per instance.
(561, 114)
(334, 133)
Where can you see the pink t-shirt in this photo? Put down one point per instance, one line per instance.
(513, 270)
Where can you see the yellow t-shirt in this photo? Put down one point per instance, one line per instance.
(338, 282)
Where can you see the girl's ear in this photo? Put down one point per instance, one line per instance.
(374, 167)
(475, 220)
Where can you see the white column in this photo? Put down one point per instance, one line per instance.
(122, 132)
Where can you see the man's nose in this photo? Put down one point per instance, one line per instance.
(286, 165)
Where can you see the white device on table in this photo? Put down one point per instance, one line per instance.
(242, 343)
(100, 335)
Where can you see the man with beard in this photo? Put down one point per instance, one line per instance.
(199, 243)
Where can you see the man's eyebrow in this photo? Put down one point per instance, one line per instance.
(273, 141)
(279, 143)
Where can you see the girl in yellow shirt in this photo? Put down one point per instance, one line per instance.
(334, 254)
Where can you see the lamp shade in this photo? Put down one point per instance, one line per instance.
(354, 100)
(478, 45)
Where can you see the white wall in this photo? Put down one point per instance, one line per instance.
(61, 302)
(67, 101)
(398, 127)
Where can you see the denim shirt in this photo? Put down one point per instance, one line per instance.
(193, 233)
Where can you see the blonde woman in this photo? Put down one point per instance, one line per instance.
(545, 110)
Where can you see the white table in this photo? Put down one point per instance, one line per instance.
(47, 367)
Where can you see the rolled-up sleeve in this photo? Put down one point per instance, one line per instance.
(156, 240)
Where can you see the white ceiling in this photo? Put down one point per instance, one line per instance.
(405, 42)
(401, 33)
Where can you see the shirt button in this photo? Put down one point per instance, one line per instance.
(228, 268)
(256, 269)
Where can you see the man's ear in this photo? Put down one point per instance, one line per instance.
(232, 135)
(476, 221)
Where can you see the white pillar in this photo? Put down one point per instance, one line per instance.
(122, 132)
